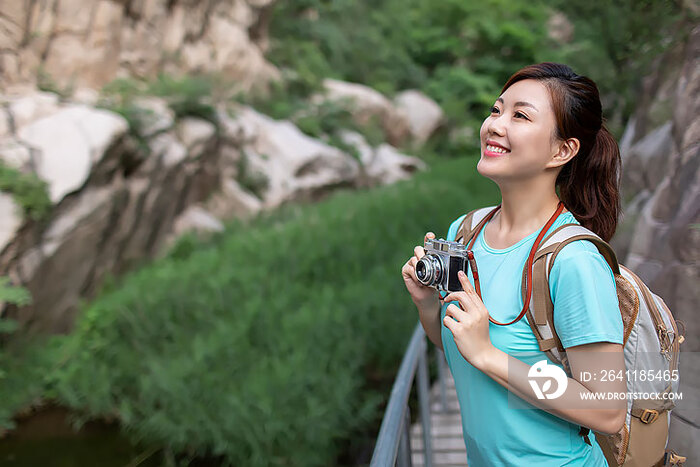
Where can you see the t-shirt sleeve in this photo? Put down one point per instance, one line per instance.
(582, 288)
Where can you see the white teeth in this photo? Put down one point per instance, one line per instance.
(495, 149)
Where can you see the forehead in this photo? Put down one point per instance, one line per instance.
(528, 90)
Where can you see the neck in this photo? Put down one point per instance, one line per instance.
(525, 207)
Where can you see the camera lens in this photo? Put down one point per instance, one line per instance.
(428, 270)
(421, 272)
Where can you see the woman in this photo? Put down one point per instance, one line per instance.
(545, 133)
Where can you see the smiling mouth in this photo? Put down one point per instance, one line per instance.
(496, 149)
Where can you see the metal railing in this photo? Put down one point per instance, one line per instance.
(393, 445)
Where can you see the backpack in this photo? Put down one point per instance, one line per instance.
(650, 331)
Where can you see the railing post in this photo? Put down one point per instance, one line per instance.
(404, 454)
(424, 403)
(386, 450)
(440, 355)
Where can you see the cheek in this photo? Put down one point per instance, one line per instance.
(483, 131)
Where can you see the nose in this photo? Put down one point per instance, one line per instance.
(496, 126)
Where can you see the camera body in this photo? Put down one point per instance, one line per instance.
(441, 263)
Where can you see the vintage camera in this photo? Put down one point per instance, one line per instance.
(441, 263)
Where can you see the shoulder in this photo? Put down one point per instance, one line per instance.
(581, 262)
(577, 251)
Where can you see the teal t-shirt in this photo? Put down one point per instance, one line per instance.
(503, 430)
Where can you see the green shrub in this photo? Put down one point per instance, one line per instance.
(23, 373)
(257, 345)
(28, 191)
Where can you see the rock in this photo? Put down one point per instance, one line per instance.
(294, 163)
(11, 215)
(157, 115)
(384, 164)
(392, 166)
(662, 174)
(366, 104)
(236, 131)
(86, 96)
(69, 142)
(423, 114)
(27, 108)
(194, 133)
(197, 219)
(88, 45)
(171, 151)
(14, 154)
(645, 162)
(233, 201)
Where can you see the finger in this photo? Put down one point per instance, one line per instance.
(449, 323)
(419, 251)
(459, 297)
(409, 270)
(456, 312)
(466, 285)
(429, 235)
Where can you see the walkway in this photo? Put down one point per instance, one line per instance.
(448, 443)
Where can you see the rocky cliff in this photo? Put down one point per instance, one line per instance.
(659, 238)
(74, 43)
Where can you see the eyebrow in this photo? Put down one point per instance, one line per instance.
(519, 104)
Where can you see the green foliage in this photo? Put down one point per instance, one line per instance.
(20, 384)
(28, 190)
(187, 96)
(615, 43)
(257, 345)
(413, 44)
(191, 96)
(13, 294)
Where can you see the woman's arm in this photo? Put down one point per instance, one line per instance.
(597, 369)
(469, 324)
(429, 315)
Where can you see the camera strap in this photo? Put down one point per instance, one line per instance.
(472, 236)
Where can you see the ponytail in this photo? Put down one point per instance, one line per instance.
(588, 185)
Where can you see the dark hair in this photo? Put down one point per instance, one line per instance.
(589, 183)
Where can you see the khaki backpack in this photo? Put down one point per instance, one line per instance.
(651, 343)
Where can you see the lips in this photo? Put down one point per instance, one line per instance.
(494, 149)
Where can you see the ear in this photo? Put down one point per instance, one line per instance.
(566, 151)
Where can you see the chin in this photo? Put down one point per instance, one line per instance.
(485, 168)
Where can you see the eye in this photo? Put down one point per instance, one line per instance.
(521, 115)
(494, 110)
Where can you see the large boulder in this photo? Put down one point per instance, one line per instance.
(383, 164)
(368, 107)
(424, 115)
(296, 166)
(70, 142)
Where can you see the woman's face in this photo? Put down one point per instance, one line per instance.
(517, 138)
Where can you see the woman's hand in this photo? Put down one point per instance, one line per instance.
(469, 324)
(420, 293)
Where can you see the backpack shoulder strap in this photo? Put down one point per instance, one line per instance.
(472, 223)
(540, 315)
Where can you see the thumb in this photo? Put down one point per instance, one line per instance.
(429, 235)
